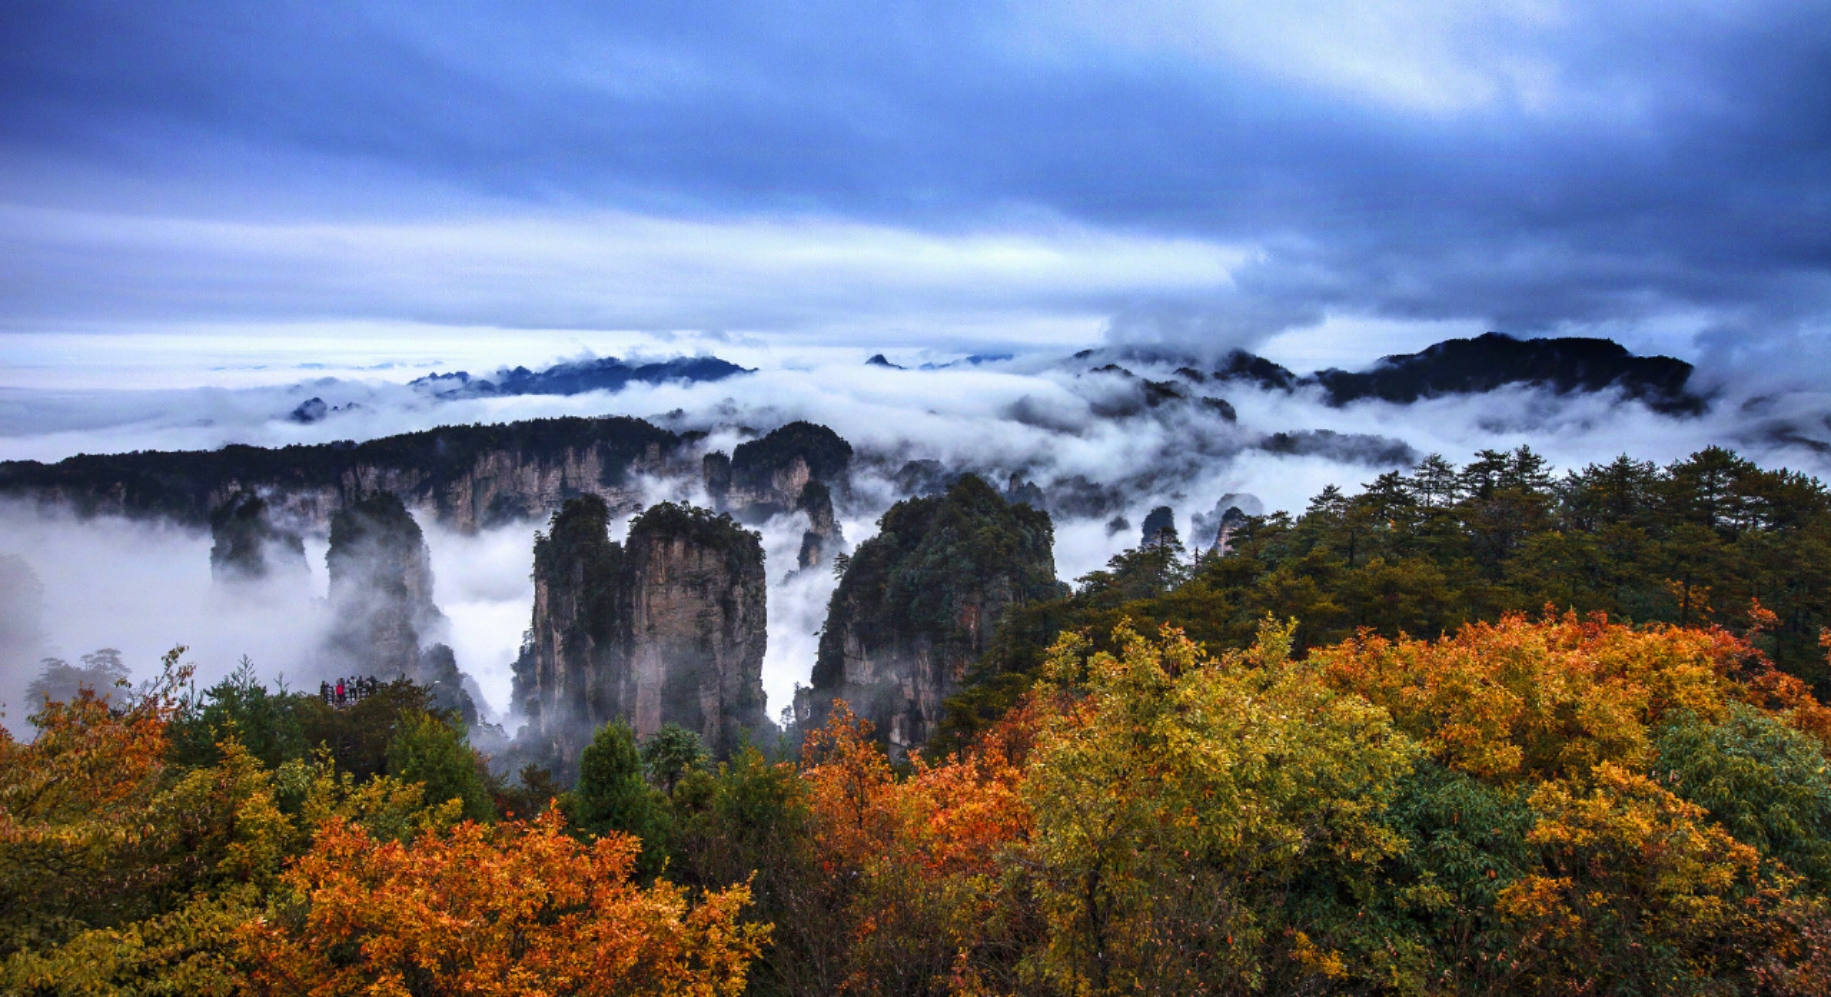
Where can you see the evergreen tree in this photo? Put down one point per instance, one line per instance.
(612, 795)
(430, 751)
(672, 752)
(240, 706)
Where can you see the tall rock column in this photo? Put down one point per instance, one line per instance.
(697, 613)
(381, 585)
(668, 628)
(567, 680)
(381, 601)
(22, 636)
(245, 543)
(823, 538)
(919, 602)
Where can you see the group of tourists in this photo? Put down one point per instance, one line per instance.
(346, 691)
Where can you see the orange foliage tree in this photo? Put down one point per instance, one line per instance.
(507, 909)
(74, 828)
(1623, 880)
(1517, 808)
(1534, 700)
(97, 830)
(1635, 881)
(920, 858)
(119, 872)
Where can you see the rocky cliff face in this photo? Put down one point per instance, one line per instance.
(22, 636)
(697, 611)
(919, 602)
(568, 677)
(1159, 527)
(381, 585)
(668, 628)
(381, 602)
(823, 539)
(768, 475)
(465, 476)
(247, 545)
(501, 481)
(793, 469)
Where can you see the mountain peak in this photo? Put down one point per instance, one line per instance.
(575, 377)
(1494, 360)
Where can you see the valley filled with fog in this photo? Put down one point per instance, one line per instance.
(1100, 443)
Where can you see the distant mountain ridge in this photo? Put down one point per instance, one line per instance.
(879, 360)
(1488, 362)
(574, 377)
(477, 475)
(577, 377)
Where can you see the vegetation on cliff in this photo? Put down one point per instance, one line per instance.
(917, 603)
(375, 545)
(243, 536)
(578, 667)
(381, 602)
(939, 570)
(576, 555)
(665, 522)
(577, 634)
(826, 453)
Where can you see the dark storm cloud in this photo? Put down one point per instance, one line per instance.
(1538, 167)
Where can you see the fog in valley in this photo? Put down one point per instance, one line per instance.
(1096, 446)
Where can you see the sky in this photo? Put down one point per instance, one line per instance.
(1323, 181)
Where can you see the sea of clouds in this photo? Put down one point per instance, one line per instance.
(145, 586)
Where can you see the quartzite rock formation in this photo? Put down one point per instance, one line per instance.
(381, 585)
(697, 612)
(919, 602)
(465, 476)
(822, 539)
(666, 628)
(245, 543)
(767, 476)
(381, 602)
(1159, 527)
(793, 468)
(22, 635)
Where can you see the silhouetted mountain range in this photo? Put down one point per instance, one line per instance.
(1485, 363)
(577, 377)
(879, 360)
(476, 475)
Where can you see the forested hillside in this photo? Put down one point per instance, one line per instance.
(1710, 540)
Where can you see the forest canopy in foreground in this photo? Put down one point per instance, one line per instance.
(1522, 807)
